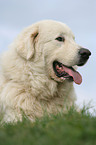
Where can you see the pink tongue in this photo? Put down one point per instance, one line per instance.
(75, 75)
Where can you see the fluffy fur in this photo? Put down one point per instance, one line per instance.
(27, 80)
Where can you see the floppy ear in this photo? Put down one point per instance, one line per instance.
(26, 49)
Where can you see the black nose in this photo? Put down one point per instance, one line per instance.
(84, 53)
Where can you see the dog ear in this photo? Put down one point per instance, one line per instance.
(26, 49)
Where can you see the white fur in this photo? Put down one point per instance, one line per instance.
(27, 80)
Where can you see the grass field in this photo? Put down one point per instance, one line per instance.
(63, 129)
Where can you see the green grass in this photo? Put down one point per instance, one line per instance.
(63, 129)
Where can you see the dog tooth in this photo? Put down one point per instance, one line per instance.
(60, 68)
(63, 78)
(57, 66)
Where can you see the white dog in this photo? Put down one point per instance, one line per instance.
(38, 71)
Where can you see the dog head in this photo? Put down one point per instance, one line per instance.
(53, 43)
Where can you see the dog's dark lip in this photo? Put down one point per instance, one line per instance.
(81, 63)
(64, 72)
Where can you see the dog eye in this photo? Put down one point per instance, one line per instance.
(60, 39)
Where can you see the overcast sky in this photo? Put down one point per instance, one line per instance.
(79, 15)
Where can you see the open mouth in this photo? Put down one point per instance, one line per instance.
(64, 72)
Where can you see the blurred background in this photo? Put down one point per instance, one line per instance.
(79, 15)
